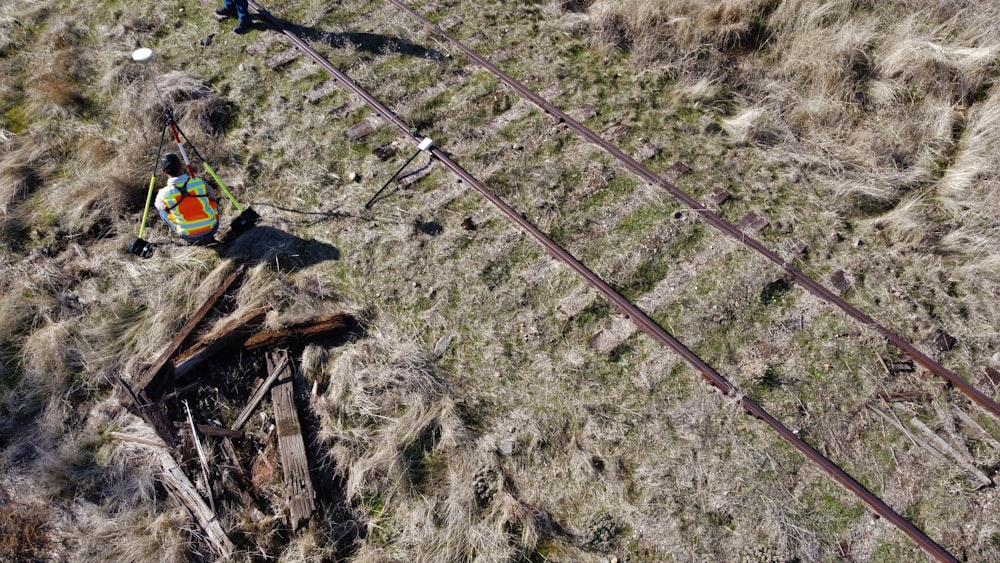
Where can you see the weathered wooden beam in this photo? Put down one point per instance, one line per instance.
(971, 423)
(238, 333)
(967, 464)
(179, 484)
(152, 413)
(233, 332)
(939, 452)
(243, 481)
(899, 396)
(294, 461)
(262, 390)
(220, 432)
(201, 456)
(138, 439)
(214, 431)
(899, 426)
(324, 326)
(152, 382)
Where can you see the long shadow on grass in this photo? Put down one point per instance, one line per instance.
(287, 253)
(369, 42)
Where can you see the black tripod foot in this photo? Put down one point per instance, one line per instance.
(245, 221)
(140, 248)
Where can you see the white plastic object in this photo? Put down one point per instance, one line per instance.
(425, 144)
(143, 55)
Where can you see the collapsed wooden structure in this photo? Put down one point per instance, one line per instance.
(159, 384)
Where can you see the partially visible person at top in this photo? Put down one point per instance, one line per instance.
(236, 8)
(187, 204)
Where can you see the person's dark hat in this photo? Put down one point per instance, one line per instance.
(171, 164)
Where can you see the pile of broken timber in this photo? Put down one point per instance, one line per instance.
(157, 384)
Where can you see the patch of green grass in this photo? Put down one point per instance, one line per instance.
(501, 270)
(647, 276)
(679, 382)
(532, 124)
(426, 115)
(15, 119)
(769, 381)
(589, 318)
(836, 512)
(617, 186)
(887, 551)
(642, 221)
(380, 517)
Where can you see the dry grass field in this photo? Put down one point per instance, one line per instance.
(495, 407)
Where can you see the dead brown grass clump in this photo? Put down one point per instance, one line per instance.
(26, 164)
(409, 465)
(24, 534)
(922, 62)
(56, 89)
(197, 109)
(682, 32)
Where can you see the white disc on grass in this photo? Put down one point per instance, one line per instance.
(142, 55)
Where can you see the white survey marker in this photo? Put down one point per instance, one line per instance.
(143, 55)
(425, 144)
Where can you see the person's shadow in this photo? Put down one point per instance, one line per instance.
(370, 42)
(276, 248)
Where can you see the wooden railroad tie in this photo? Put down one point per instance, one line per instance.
(299, 493)
(156, 385)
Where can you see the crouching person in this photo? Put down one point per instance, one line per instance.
(188, 205)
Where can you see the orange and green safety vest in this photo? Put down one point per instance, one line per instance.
(190, 209)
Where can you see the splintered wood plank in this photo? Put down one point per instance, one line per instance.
(971, 423)
(283, 58)
(321, 91)
(233, 331)
(839, 281)
(242, 480)
(201, 455)
(258, 395)
(966, 463)
(413, 177)
(676, 170)
(178, 483)
(385, 151)
(718, 196)
(752, 223)
(359, 130)
(220, 432)
(294, 462)
(152, 381)
(324, 326)
(938, 342)
(152, 413)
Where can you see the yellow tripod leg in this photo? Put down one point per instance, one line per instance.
(145, 211)
(223, 186)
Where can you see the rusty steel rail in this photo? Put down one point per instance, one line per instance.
(643, 321)
(810, 285)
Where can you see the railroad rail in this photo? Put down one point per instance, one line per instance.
(810, 285)
(631, 311)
